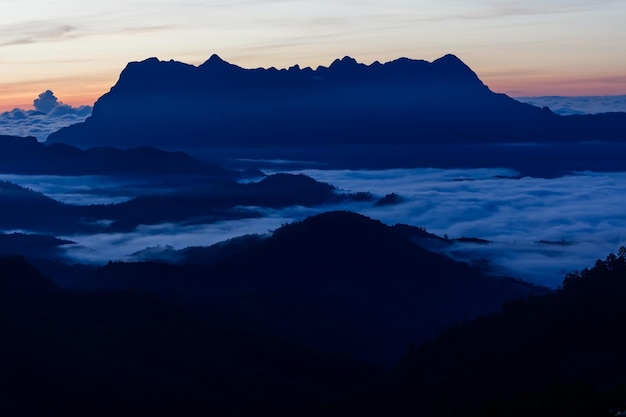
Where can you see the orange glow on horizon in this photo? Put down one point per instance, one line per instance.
(568, 85)
(75, 93)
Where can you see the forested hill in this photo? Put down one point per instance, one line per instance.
(561, 354)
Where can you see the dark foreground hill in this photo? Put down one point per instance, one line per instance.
(259, 332)
(175, 105)
(339, 282)
(561, 354)
(122, 353)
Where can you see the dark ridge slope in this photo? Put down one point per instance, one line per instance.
(17, 273)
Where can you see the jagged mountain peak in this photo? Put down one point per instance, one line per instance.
(450, 65)
(344, 62)
(149, 74)
(216, 63)
(449, 58)
(214, 58)
(446, 62)
(154, 62)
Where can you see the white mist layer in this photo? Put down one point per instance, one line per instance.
(564, 105)
(82, 190)
(541, 229)
(19, 122)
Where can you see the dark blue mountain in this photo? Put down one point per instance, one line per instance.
(175, 105)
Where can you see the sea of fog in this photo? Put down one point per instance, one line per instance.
(540, 229)
(578, 105)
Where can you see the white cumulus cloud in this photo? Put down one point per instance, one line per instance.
(49, 116)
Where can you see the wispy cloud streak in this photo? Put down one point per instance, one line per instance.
(36, 32)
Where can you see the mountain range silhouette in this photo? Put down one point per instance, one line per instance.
(405, 101)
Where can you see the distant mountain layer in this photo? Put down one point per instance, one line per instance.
(175, 105)
(566, 105)
(28, 156)
(223, 199)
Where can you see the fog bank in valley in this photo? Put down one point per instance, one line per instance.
(565, 105)
(540, 229)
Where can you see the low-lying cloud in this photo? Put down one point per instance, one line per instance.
(78, 190)
(49, 116)
(578, 105)
(540, 229)
(99, 248)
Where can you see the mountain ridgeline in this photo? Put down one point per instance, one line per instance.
(405, 101)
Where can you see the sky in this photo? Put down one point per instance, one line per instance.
(533, 48)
